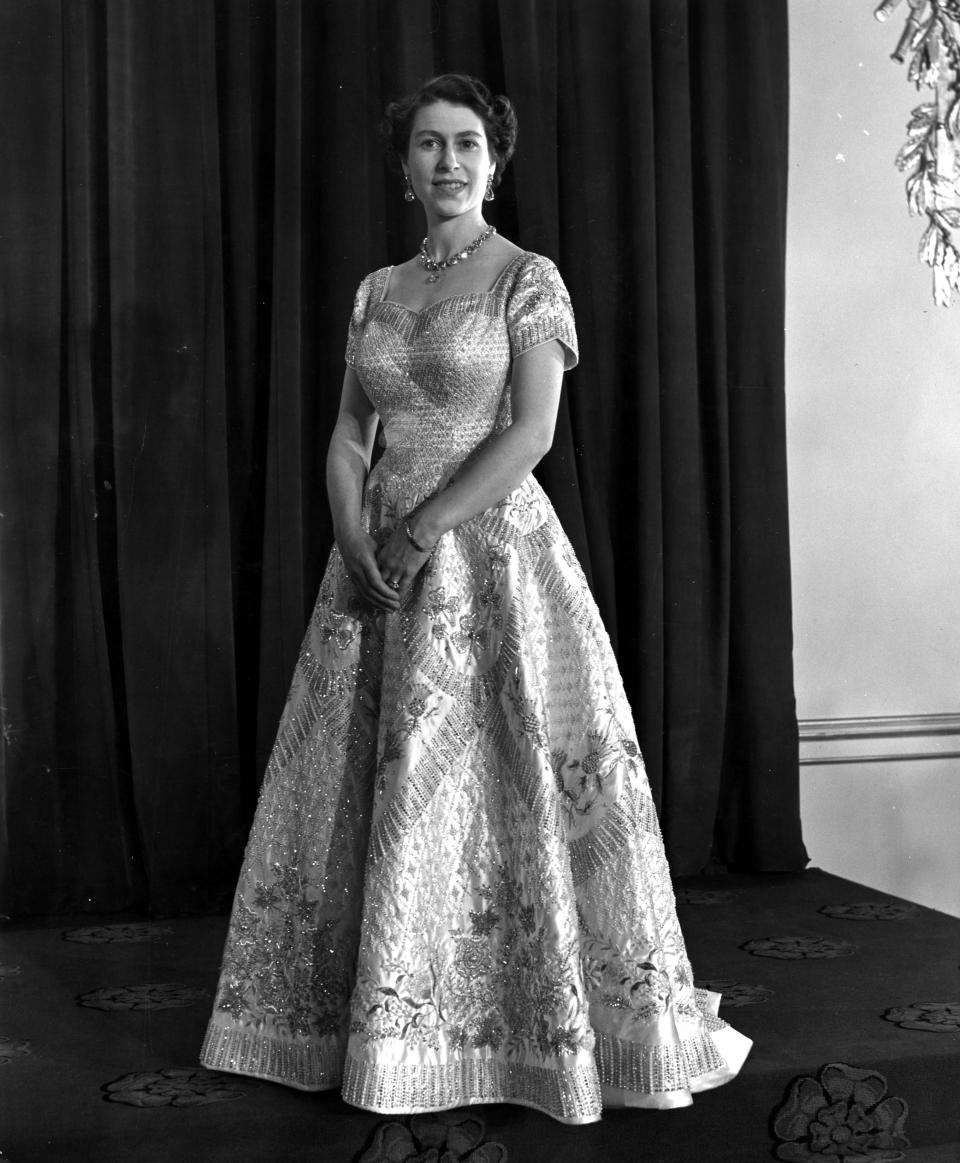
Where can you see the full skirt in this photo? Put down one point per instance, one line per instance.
(455, 889)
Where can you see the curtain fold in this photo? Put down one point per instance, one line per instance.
(191, 192)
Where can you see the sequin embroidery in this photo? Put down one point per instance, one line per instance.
(455, 889)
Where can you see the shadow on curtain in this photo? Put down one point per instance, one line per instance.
(191, 193)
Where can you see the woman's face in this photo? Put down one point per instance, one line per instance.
(448, 160)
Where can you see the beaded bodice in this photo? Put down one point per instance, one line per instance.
(440, 377)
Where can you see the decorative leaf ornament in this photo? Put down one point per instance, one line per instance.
(930, 157)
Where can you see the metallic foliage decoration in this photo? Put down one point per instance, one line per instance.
(930, 158)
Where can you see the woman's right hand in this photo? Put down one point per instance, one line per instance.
(359, 552)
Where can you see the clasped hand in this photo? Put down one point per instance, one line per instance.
(381, 575)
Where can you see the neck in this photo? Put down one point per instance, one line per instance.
(445, 236)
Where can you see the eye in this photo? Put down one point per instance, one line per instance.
(470, 143)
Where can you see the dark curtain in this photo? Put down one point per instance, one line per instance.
(191, 192)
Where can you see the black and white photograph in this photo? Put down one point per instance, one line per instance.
(479, 573)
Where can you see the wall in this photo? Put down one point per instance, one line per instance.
(873, 389)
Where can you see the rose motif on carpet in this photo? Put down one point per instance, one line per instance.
(737, 993)
(446, 1137)
(704, 896)
(935, 1017)
(115, 934)
(844, 1113)
(176, 1086)
(11, 1048)
(168, 996)
(871, 911)
(799, 948)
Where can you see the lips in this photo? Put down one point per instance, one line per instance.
(450, 187)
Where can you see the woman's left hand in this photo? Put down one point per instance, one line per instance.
(399, 562)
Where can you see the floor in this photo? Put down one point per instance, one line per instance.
(852, 999)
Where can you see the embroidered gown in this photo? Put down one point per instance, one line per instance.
(455, 889)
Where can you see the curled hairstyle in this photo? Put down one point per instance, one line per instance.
(496, 113)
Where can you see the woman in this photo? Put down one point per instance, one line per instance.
(455, 889)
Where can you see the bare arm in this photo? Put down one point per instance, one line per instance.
(348, 462)
(502, 465)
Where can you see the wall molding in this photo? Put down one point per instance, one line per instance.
(832, 741)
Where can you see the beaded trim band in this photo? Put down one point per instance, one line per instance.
(413, 541)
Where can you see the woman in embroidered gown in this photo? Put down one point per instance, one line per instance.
(455, 888)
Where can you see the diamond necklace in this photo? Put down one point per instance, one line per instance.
(438, 267)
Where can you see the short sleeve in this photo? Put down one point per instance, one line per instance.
(539, 310)
(358, 316)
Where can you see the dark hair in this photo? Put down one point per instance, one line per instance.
(496, 113)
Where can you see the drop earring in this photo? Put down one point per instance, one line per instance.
(408, 194)
(489, 195)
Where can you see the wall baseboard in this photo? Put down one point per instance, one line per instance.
(833, 741)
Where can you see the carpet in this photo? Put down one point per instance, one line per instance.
(852, 999)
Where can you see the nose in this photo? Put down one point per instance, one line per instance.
(448, 159)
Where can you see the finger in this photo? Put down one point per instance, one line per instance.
(379, 603)
(384, 594)
(379, 597)
(373, 577)
(384, 588)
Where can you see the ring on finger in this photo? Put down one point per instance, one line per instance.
(394, 585)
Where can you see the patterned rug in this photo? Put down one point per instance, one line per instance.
(852, 999)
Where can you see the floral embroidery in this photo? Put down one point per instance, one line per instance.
(440, 605)
(490, 600)
(503, 986)
(342, 629)
(472, 960)
(628, 978)
(414, 707)
(528, 719)
(302, 996)
(498, 558)
(266, 896)
(583, 781)
(232, 999)
(523, 508)
(482, 924)
(489, 1032)
(526, 916)
(408, 1008)
(586, 786)
(469, 631)
(445, 916)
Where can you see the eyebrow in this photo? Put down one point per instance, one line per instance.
(459, 133)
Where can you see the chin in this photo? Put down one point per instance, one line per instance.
(453, 207)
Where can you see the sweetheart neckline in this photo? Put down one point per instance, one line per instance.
(448, 298)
